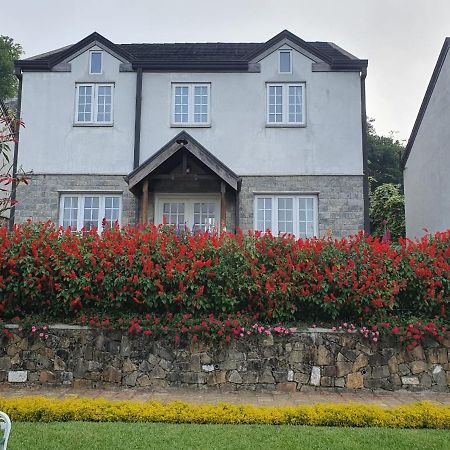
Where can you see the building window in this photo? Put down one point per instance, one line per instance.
(286, 104)
(95, 62)
(287, 214)
(189, 212)
(94, 104)
(191, 104)
(285, 61)
(89, 211)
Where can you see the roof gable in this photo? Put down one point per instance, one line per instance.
(426, 100)
(180, 141)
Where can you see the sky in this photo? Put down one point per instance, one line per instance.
(400, 38)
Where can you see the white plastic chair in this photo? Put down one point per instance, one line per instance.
(5, 425)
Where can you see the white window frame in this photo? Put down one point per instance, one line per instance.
(94, 111)
(81, 199)
(191, 99)
(101, 62)
(188, 200)
(285, 105)
(279, 61)
(274, 218)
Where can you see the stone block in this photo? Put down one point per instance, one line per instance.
(326, 381)
(355, 380)
(144, 381)
(290, 375)
(128, 366)
(301, 378)
(315, 376)
(393, 365)
(289, 387)
(380, 372)
(438, 375)
(324, 356)
(418, 367)
(130, 379)
(17, 376)
(339, 382)
(158, 372)
(112, 375)
(266, 377)
(66, 378)
(217, 377)
(46, 377)
(234, 377)
(125, 347)
(343, 368)
(82, 384)
(410, 381)
(360, 362)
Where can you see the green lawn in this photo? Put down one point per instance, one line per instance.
(129, 436)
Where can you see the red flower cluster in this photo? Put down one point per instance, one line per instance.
(62, 275)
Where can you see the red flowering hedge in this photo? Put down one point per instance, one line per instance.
(61, 275)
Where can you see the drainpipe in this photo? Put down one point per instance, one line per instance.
(137, 130)
(12, 212)
(365, 151)
(237, 206)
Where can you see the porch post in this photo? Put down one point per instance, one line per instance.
(223, 205)
(144, 218)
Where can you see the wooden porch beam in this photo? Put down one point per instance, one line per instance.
(223, 205)
(144, 202)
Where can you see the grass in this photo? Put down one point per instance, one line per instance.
(137, 436)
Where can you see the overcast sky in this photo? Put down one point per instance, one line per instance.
(400, 38)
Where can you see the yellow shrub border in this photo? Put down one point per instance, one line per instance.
(42, 409)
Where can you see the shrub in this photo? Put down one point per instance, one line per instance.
(64, 276)
(41, 409)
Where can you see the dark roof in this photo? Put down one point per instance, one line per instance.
(426, 100)
(196, 56)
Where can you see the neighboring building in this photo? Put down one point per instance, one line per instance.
(426, 164)
(267, 135)
(6, 133)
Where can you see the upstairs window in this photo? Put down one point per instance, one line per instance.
(94, 104)
(285, 61)
(191, 104)
(95, 62)
(286, 104)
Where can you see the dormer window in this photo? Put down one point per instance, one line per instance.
(95, 62)
(285, 61)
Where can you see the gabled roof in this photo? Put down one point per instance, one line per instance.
(197, 56)
(181, 141)
(426, 100)
(51, 59)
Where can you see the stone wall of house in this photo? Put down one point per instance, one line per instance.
(303, 361)
(341, 199)
(39, 200)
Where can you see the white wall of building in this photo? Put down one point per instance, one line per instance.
(427, 172)
(329, 144)
(50, 143)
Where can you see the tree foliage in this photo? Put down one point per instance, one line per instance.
(9, 51)
(384, 154)
(387, 212)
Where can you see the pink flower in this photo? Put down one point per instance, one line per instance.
(334, 329)
(33, 328)
(41, 334)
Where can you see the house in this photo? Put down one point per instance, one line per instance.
(426, 162)
(252, 135)
(6, 156)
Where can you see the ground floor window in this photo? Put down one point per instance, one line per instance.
(291, 214)
(90, 211)
(191, 212)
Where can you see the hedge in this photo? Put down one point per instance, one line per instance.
(157, 273)
(41, 409)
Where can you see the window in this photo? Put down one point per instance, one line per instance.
(95, 62)
(286, 104)
(191, 104)
(287, 214)
(88, 211)
(285, 61)
(94, 104)
(190, 212)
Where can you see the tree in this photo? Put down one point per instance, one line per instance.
(387, 211)
(384, 155)
(9, 51)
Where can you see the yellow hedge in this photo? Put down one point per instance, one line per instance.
(41, 409)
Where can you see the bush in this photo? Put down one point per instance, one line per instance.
(64, 276)
(41, 409)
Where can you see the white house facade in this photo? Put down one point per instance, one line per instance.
(426, 164)
(256, 136)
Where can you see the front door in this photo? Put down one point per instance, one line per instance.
(192, 212)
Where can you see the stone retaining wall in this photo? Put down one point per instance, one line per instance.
(313, 360)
